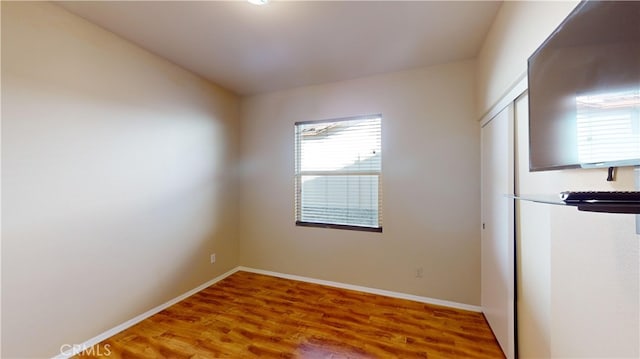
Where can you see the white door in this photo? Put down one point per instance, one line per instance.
(497, 294)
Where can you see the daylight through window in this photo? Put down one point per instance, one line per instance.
(338, 173)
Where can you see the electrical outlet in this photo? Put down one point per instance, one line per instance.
(419, 272)
(213, 258)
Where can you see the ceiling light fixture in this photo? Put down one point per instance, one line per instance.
(258, 2)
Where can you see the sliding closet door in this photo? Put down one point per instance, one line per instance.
(498, 285)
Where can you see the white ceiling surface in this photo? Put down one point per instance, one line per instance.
(252, 49)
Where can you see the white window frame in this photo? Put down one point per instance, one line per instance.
(298, 174)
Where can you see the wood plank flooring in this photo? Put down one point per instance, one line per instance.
(248, 315)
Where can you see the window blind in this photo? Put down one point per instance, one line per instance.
(338, 172)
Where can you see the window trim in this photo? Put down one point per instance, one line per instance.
(298, 175)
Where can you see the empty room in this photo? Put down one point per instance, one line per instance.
(320, 179)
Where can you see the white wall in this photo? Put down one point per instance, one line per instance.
(519, 28)
(578, 272)
(579, 279)
(430, 164)
(117, 180)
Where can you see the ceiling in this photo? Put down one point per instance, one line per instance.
(252, 49)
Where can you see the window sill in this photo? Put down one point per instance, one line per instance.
(339, 226)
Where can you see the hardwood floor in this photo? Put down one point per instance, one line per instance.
(248, 315)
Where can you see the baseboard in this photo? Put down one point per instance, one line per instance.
(387, 293)
(78, 348)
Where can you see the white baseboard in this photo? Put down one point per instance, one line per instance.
(387, 293)
(78, 348)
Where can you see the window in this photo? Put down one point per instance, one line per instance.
(338, 173)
